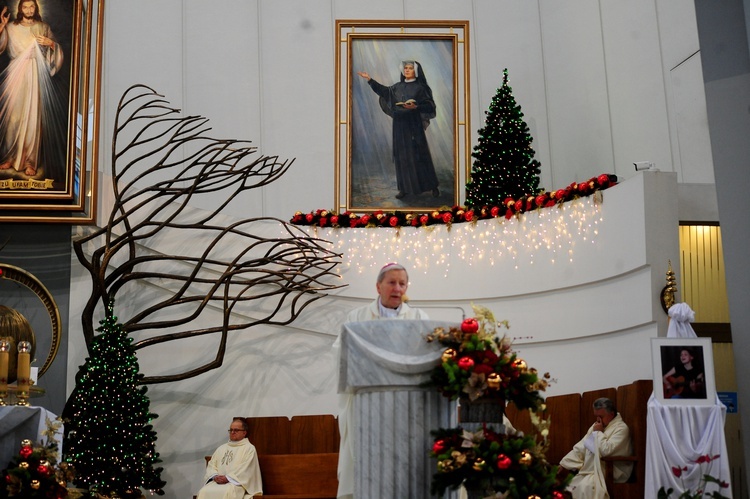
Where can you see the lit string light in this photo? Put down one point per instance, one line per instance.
(548, 234)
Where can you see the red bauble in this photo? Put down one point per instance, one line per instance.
(25, 452)
(334, 220)
(603, 180)
(503, 462)
(469, 216)
(393, 221)
(424, 219)
(470, 326)
(560, 194)
(494, 211)
(43, 470)
(447, 218)
(465, 363)
(438, 446)
(309, 217)
(365, 219)
(540, 199)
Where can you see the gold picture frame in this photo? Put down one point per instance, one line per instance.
(371, 173)
(56, 180)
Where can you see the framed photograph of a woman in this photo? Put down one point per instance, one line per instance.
(45, 102)
(401, 128)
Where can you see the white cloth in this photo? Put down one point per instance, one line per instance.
(371, 312)
(586, 457)
(26, 90)
(346, 400)
(679, 327)
(679, 435)
(239, 462)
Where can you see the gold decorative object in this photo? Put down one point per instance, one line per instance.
(667, 296)
(520, 364)
(449, 354)
(526, 458)
(493, 381)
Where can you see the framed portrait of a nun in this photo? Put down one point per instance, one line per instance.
(402, 113)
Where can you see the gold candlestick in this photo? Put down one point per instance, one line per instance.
(4, 360)
(23, 382)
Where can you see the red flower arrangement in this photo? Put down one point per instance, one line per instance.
(489, 461)
(478, 364)
(456, 214)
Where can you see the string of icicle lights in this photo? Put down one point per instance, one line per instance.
(549, 234)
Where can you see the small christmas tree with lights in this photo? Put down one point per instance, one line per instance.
(108, 436)
(504, 164)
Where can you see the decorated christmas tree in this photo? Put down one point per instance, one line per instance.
(109, 439)
(504, 164)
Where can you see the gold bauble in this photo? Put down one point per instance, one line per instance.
(23, 465)
(26, 443)
(479, 464)
(449, 354)
(534, 497)
(35, 484)
(520, 364)
(525, 458)
(494, 381)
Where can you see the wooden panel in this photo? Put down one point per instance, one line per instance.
(314, 434)
(304, 476)
(565, 430)
(270, 435)
(520, 419)
(632, 402)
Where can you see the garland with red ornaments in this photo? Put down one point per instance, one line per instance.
(509, 208)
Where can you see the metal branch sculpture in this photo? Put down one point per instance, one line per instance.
(157, 169)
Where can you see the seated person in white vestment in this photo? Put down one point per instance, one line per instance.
(391, 285)
(233, 471)
(608, 436)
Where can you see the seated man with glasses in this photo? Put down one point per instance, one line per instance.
(233, 471)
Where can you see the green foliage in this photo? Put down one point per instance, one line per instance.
(34, 473)
(491, 461)
(504, 164)
(109, 438)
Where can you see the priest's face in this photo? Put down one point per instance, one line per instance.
(236, 431)
(603, 417)
(393, 288)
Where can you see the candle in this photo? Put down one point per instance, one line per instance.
(24, 367)
(4, 359)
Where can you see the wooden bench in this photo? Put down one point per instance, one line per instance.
(298, 457)
(571, 417)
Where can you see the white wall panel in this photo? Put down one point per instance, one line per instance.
(574, 71)
(518, 47)
(635, 82)
(690, 120)
(297, 73)
(678, 31)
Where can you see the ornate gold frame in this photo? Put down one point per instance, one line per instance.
(24, 278)
(455, 33)
(75, 201)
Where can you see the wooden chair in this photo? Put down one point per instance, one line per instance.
(632, 403)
